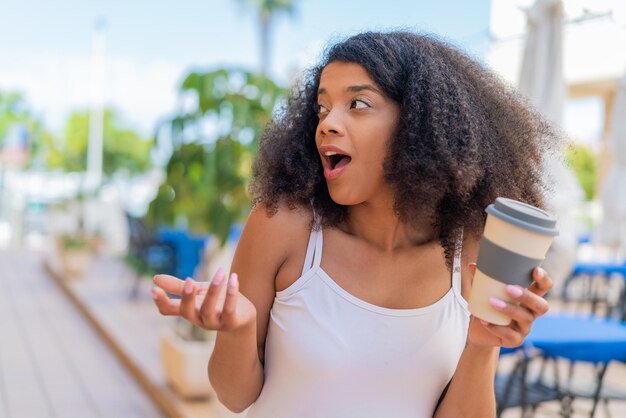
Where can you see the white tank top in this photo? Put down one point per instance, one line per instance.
(329, 354)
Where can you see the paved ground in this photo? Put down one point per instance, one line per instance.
(132, 328)
(52, 362)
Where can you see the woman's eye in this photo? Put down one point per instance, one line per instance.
(359, 104)
(320, 109)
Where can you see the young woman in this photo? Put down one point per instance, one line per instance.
(347, 296)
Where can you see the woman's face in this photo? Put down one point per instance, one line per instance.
(356, 124)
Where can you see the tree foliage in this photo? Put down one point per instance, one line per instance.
(14, 110)
(123, 148)
(207, 175)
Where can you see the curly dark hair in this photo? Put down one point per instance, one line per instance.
(464, 137)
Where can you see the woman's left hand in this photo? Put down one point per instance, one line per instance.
(531, 306)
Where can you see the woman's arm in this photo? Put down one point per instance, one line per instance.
(471, 392)
(236, 365)
(240, 312)
(226, 311)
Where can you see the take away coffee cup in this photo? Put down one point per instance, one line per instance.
(516, 238)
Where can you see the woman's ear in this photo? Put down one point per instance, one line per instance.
(472, 269)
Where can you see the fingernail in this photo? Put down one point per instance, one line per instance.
(155, 295)
(514, 291)
(540, 273)
(188, 288)
(218, 278)
(497, 303)
(233, 282)
(485, 323)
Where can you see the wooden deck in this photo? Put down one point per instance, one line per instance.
(52, 362)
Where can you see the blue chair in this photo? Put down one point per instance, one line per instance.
(188, 249)
(147, 253)
(590, 274)
(512, 389)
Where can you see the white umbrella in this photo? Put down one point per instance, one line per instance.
(542, 81)
(612, 229)
(541, 77)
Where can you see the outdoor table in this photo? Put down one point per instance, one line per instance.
(571, 336)
(579, 337)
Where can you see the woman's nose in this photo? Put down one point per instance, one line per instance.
(331, 124)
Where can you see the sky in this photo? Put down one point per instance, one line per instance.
(45, 46)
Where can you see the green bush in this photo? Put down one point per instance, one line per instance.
(584, 163)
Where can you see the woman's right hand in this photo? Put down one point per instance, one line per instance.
(204, 303)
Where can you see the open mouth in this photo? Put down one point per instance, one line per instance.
(335, 161)
(338, 160)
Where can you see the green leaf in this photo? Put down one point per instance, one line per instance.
(209, 176)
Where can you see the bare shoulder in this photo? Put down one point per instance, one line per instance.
(279, 229)
(276, 232)
(283, 218)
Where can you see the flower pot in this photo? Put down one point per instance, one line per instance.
(96, 244)
(75, 261)
(185, 365)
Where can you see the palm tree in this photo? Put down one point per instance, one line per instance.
(267, 11)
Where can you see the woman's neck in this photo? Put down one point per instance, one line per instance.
(378, 224)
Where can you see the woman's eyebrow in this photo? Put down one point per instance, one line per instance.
(363, 87)
(358, 88)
